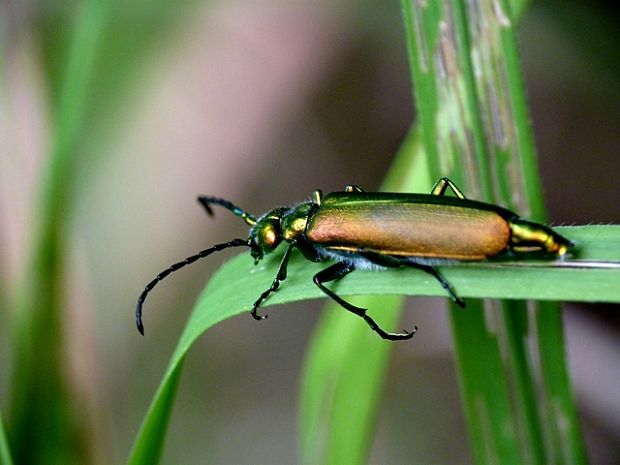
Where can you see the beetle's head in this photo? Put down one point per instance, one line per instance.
(266, 234)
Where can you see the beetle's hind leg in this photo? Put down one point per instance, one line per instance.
(339, 270)
(442, 185)
(391, 261)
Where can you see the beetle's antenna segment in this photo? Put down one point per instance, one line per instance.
(206, 202)
(172, 268)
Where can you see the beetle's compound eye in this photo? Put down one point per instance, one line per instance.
(266, 234)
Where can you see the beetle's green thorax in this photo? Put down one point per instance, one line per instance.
(275, 225)
(294, 223)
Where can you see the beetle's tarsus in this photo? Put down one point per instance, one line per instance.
(256, 316)
(384, 334)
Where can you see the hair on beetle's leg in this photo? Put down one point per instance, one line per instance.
(339, 270)
(442, 184)
(281, 276)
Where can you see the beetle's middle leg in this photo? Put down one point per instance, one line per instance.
(339, 270)
(391, 261)
(442, 185)
(281, 276)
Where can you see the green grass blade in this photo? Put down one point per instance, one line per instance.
(477, 131)
(515, 318)
(343, 382)
(135, 31)
(149, 444)
(44, 427)
(345, 366)
(5, 451)
(237, 282)
(561, 415)
(235, 286)
(322, 439)
(561, 422)
(481, 381)
(90, 49)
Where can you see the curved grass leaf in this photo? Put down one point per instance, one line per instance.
(237, 282)
(38, 390)
(150, 444)
(343, 382)
(345, 362)
(236, 285)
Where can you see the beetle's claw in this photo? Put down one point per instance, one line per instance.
(399, 336)
(258, 317)
(409, 334)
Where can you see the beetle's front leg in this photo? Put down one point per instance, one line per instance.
(442, 184)
(339, 270)
(281, 276)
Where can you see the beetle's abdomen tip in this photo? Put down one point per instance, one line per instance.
(566, 248)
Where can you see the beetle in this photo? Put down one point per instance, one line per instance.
(355, 229)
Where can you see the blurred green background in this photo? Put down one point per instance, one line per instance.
(261, 103)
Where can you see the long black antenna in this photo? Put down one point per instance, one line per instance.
(207, 201)
(172, 268)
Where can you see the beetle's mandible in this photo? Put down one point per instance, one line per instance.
(356, 229)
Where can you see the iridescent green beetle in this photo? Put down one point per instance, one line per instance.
(357, 229)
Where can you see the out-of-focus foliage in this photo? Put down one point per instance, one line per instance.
(114, 115)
